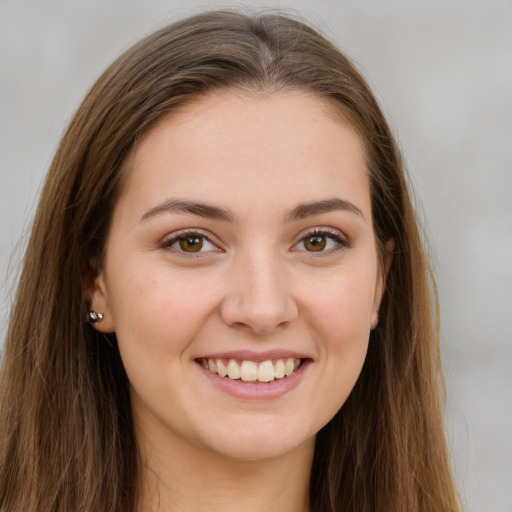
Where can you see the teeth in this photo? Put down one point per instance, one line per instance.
(233, 369)
(289, 366)
(266, 371)
(279, 369)
(250, 371)
(222, 369)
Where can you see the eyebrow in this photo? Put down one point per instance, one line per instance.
(204, 210)
(318, 207)
(209, 211)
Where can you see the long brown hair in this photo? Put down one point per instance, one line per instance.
(66, 436)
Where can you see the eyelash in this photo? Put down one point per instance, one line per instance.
(341, 242)
(190, 233)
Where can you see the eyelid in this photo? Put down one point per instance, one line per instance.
(173, 237)
(331, 233)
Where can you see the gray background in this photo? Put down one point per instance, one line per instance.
(442, 71)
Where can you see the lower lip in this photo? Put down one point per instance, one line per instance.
(257, 390)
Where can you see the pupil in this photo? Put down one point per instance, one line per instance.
(315, 243)
(191, 243)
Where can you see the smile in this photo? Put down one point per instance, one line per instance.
(251, 371)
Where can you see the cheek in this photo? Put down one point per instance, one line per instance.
(341, 303)
(339, 314)
(157, 317)
(157, 312)
(342, 325)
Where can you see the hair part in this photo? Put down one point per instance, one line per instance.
(67, 440)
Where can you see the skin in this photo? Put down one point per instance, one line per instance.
(256, 285)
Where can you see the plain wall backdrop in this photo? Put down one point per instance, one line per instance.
(442, 71)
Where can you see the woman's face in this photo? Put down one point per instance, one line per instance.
(242, 246)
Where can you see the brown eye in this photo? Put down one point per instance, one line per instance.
(191, 243)
(315, 243)
(321, 241)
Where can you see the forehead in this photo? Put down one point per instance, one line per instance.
(280, 145)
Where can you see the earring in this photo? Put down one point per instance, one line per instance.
(95, 317)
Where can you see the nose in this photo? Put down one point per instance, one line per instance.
(259, 298)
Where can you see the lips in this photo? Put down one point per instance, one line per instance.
(252, 375)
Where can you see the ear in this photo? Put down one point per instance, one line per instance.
(381, 283)
(97, 292)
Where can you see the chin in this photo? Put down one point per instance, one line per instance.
(257, 451)
(258, 441)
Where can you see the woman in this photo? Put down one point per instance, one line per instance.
(224, 223)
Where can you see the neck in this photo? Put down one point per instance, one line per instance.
(189, 479)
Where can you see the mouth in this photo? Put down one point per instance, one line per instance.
(252, 371)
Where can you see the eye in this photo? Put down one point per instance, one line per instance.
(320, 241)
(190, 242)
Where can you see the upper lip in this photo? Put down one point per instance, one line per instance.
(257, 357)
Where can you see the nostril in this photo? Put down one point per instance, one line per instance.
(258, 301)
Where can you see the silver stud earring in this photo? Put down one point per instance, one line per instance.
(95, 317)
